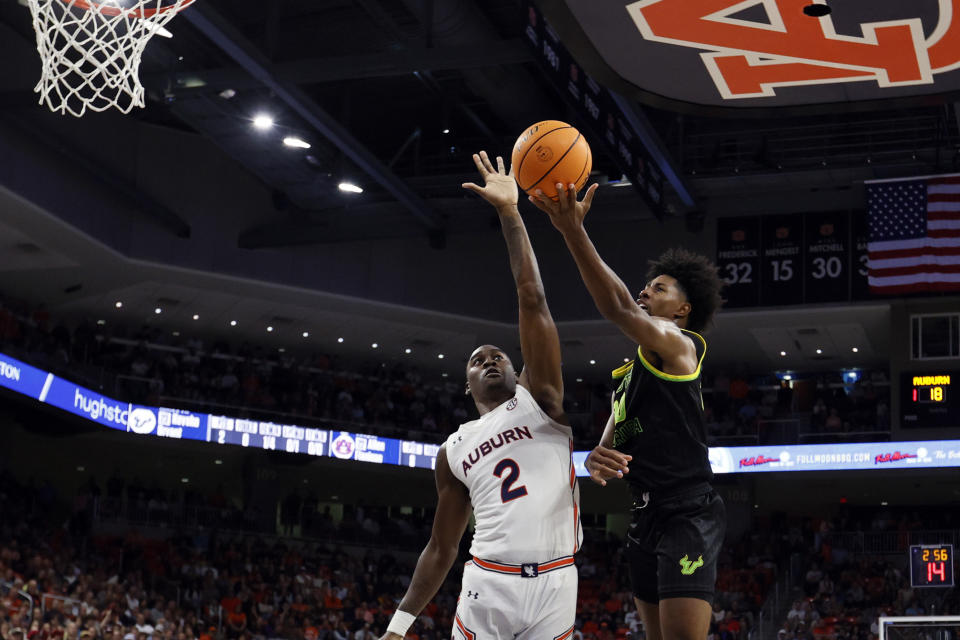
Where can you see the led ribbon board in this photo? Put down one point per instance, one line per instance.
(179, 424)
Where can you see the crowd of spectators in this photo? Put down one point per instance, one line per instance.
(201, 584)
(842, 592)
(299, 513)
(150, 366)
(147, 365)
(190, 586)
(205, 584)
(771, 409)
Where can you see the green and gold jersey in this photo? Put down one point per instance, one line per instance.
(659, 421)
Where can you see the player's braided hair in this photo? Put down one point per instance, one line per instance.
(698, 280)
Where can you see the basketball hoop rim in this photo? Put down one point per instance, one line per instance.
(143, 14)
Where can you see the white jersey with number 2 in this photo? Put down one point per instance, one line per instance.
(516, 462)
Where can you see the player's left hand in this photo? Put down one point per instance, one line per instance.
(567, 213)
(604, 463)
(500, 188)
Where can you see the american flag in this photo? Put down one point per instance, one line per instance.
(914, 234)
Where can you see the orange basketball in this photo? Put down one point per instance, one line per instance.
(550, 152)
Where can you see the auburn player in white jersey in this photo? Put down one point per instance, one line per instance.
(513, 468)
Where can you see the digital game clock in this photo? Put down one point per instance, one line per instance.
(930, 399)
(931, 565)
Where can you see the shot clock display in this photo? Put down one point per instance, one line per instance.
(931, 565)
(929, 399)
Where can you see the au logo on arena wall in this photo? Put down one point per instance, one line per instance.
(343, 446)
(768, 53)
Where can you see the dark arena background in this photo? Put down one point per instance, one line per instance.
(234, 323)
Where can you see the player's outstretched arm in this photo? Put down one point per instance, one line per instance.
(539, 340)
(449, 523)
(611, 296)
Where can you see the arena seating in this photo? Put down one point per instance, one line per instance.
(337, 580)
(147, 366)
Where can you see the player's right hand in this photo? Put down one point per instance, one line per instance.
(604, 464)
(567, 212)
(500, 187)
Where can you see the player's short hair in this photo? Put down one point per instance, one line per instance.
(698, 279)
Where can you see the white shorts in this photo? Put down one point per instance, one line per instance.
(497, 603)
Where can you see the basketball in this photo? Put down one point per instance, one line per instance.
(550, 152)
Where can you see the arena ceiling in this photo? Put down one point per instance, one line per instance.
(394, 95)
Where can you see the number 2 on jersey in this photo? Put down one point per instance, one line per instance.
(507, 492)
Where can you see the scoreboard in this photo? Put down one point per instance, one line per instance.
(930, 399)
(597, 109)
(795, 258)
(267, 435)
(931, 565)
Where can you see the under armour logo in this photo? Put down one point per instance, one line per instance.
(459, 439)
(529, 570)
(473, 594)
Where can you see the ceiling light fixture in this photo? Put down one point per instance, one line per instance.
(262, 121)
(118, 304)
(408, 350)
(269, 329)
(593, 362)
(374, 345)
(306, 334)
(233, 323)
(855, 350)
(783, 353)
(440, 355)
(819, 351)
(296, 143)
(339, 339)
(196, 316)
(158, 310)
(349, 187)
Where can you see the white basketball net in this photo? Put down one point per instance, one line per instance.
(91, 50)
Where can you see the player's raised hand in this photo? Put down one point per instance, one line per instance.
(567, 213)
(390, 636)
(500, 188)
(604, 464)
